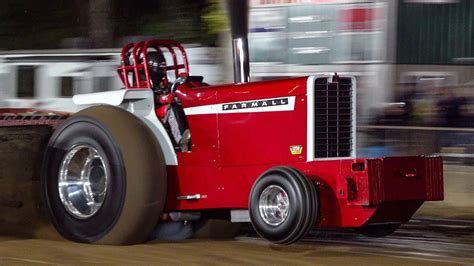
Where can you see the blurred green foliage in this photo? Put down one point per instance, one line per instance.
(214, 18)
(178, 20)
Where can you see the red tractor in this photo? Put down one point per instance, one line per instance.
(279, 154)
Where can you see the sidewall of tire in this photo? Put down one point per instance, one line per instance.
(302, 201)
(137, 177)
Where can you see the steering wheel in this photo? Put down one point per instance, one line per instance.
(181, 79)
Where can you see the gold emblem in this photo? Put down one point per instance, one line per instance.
(296, 149)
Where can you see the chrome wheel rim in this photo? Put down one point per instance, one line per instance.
(82, 182)
(274, 205)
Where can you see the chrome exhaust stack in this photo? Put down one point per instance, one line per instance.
(238, 11)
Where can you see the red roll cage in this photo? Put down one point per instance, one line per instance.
(135, 74)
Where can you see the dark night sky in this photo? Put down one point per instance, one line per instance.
(32, 24)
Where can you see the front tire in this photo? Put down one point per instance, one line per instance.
(283, 205)
(104, 178)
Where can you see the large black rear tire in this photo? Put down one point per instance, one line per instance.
(132, 165)
(294, 198)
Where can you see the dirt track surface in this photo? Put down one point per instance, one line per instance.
(201, 252)
(420, 242)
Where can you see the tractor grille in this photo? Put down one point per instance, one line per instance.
(333, 118)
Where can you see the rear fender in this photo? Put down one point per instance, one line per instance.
(139, 102)
(114, 98)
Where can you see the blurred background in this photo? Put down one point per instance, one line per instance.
(413, 59)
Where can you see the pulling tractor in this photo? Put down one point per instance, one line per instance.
(279, 154)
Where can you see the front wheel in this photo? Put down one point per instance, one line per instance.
(283, 205)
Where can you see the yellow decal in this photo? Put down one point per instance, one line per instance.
(296, 149)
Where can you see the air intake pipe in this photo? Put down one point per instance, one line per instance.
(238, 12)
